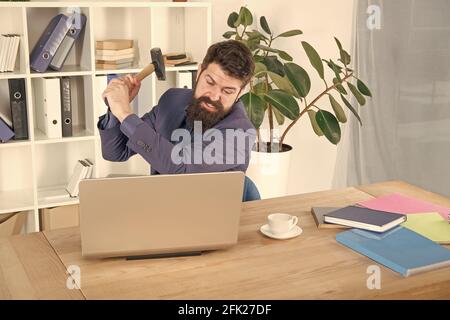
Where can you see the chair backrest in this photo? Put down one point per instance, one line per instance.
(251, 192)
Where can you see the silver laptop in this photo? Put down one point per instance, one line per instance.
(160, 215)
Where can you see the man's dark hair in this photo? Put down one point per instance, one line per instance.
(234, 57)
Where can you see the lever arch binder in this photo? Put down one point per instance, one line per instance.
(48, 106)
(47, 45)
(18, 102)
(66, 107)
(184, 79)
(77, 22)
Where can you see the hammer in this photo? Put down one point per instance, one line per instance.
(157, 65)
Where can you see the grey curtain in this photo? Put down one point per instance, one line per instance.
(406, 125)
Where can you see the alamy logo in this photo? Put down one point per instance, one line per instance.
(374, 279)
(76, 18)
(374, 19)
(74, 278)
(229, 146)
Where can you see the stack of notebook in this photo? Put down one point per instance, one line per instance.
(9, 46)
(385, 212)
(399, 232)
(114, 54)
(356, 217)
(425, 218)
(177, 59)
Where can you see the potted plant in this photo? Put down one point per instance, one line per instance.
(280, 89)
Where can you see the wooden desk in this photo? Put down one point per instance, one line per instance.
(311, 266)
(30, 269)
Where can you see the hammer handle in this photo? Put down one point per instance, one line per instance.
(146, 71)
(141, 75)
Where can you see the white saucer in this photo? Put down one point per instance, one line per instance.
(294, 232)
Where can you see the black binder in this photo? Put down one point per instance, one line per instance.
(194, 79)
(66, 107)
(18, 102)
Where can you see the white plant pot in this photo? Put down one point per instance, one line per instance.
(269, 171)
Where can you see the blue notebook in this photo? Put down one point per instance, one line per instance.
(399, 249)
(364, 218)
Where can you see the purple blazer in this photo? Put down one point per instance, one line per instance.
(168, 150)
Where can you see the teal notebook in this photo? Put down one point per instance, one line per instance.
(399, 249)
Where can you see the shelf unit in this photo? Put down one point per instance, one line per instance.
(33, 173)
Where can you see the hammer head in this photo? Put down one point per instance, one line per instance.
(158, 62)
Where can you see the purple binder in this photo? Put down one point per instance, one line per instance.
(49, 42)
(77, 22)
(5, 131)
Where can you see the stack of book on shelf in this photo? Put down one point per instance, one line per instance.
(14, 118)
(114, 54)
(364, 218)
(400, 232)
(56, 42)
(177, 59)
(9, 47)
(83, 170)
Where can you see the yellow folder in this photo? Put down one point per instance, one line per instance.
(430, 225)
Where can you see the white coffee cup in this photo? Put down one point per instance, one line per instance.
(280, 223)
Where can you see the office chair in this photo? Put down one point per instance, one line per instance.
(251, 192)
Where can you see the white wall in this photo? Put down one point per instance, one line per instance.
(313, 160)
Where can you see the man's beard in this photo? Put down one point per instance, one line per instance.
(196, 112)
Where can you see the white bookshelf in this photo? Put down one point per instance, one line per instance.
(34, 171)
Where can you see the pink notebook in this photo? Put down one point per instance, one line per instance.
(402, 204)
